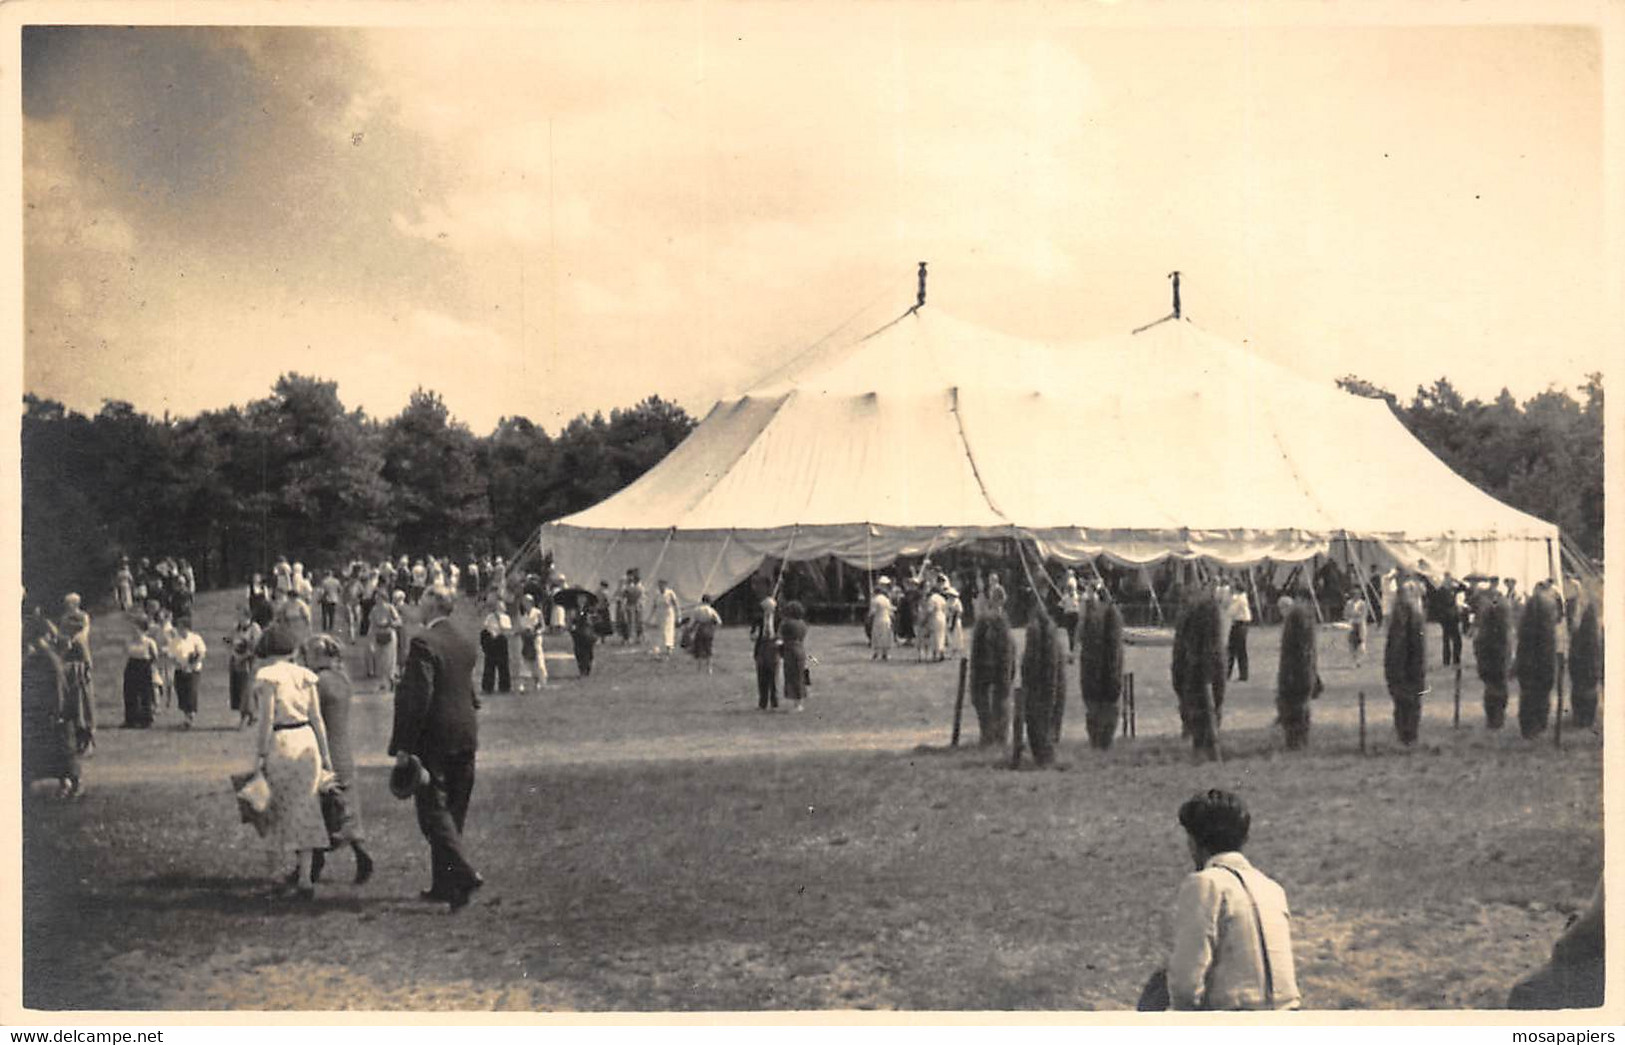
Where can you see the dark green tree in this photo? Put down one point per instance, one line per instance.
(438, 498)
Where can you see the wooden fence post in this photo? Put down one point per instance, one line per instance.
(959, 701)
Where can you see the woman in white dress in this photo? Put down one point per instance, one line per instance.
(934, 626)
(532, 660)
(292, 752)
(881, 638)
(665, 618)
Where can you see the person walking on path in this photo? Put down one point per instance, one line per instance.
(141, 656)
(435, 724)
(386, 631)
(240, 662)
(292, 752)
(49, 749)
(325, 657)
(187, 651)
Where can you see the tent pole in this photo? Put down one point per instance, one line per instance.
(1032, 585)
(784, 561)
(1100, 580)
(705, 589)
(654, 571)
(598, 567)
(1151, 588)
(1313, 598)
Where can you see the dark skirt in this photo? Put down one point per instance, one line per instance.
(242, 677)
(49, 750)
(704, 637)
(795, 672)
(138, 697)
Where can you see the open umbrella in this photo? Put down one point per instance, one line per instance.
(573, 599)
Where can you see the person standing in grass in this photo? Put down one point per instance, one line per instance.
(78, 670)
(532, 661)
(188, 651)
(881, 637)
(706, 621)
(1232, 944)
(141, 657)
(765, 652)
(666, 612)
(1356, 612)
(494, 632)
(793, 649)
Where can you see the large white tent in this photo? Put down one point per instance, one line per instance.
(931, 432)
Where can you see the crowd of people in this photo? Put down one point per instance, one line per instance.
(289, 684)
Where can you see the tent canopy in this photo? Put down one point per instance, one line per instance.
(931, 432)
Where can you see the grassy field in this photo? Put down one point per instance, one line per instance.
(654, 842)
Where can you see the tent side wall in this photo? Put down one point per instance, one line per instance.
(702, 562)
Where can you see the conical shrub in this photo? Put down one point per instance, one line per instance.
(1100, 670)
(1537, 663)
(1043, 686)
(1585, 665)
(992, 667)
(1298, 672)
(1404, 665)
(1492, 633)
(1198, 671)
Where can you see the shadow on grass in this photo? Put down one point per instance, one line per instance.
(244, 894)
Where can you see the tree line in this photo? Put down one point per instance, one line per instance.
(1543, 456)
(298, 473)
(301, 474)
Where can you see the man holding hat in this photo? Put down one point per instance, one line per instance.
(435, 724)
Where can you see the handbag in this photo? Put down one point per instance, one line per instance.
(253, 798)
(335, 811)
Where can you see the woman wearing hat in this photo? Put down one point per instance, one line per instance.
(48, 746)
(881, 638)
(325, 657)
(292, 752)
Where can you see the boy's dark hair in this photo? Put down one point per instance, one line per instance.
(1217, 820)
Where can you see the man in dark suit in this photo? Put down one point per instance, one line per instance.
(435, 720)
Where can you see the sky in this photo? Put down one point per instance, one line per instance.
(567, 208)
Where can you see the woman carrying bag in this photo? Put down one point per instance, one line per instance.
(292, 753)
